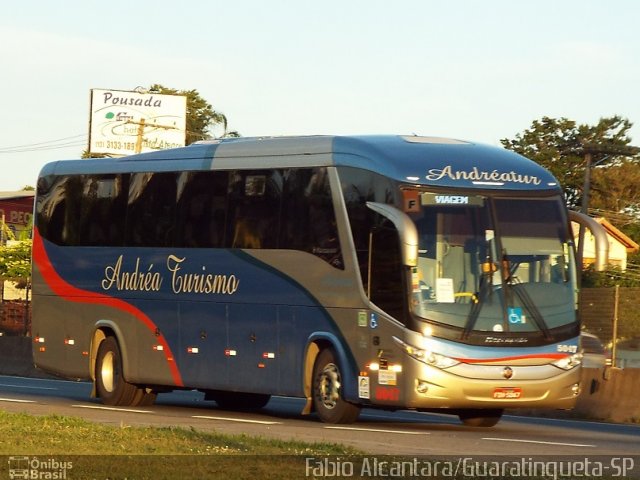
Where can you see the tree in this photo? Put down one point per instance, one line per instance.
(201, 117)
(567, 150)
(615, 194)
(562, 146)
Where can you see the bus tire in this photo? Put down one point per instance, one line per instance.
(481, 417)
(144, 397)
(110, 384)
(328, 399)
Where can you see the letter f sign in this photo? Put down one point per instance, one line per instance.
(411, 203)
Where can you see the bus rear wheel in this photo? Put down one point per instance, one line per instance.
(111, 386)
(481, 417)
(328, 399)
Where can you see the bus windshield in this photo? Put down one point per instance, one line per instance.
(493, 264)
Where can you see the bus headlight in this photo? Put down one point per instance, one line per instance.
(425, 356)
(569, 362)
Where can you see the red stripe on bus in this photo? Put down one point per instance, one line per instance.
(549, 356)
(70, 293)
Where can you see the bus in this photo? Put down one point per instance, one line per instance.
(393, 272)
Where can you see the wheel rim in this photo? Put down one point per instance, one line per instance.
(329, 386)
(107, 371)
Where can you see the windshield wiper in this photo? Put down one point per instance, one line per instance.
(476, 306)
(510, 285)
(521, 292)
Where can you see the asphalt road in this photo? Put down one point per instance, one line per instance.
(377, 432)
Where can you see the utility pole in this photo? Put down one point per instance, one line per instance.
(140, 135)
(584, 209)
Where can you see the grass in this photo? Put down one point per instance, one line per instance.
(102, 451)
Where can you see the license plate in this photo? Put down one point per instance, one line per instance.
(507, 393)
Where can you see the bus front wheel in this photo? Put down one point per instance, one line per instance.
(481, 417)
(111, 386)
(328, 399)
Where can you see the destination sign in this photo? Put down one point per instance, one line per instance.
(439, 199)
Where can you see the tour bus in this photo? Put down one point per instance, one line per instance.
(394, 272)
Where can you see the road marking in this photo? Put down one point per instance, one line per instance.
(27, 386)
(113, 409)
(569, 420)
(16, 400)
(404, 432)
(240, 420)
(538, 441)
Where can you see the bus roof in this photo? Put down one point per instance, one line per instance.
(411, 159)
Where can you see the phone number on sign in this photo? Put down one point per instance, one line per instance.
(121, 145)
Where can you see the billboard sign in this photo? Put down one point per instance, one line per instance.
(124, 123)
(16, 212)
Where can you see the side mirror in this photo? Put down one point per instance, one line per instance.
(599, 235)
(406, 230)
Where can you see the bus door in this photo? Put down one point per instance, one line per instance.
(393, 244)
(392, 250)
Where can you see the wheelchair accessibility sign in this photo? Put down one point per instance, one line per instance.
(516, 316)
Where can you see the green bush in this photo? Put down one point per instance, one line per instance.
(15, 262)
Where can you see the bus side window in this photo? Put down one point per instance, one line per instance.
(254, 208)
(202, 205)
(58, 210)
(322, 219)
(294, 233)
(104, 201)
(151, 210)
(359, 187)
(51, 208)
(308, 218)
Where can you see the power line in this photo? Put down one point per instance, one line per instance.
(46, 141)
(39, 149)
(58, 143)
(616, 217)
(79, 140)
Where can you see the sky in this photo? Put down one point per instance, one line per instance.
(478, 70)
